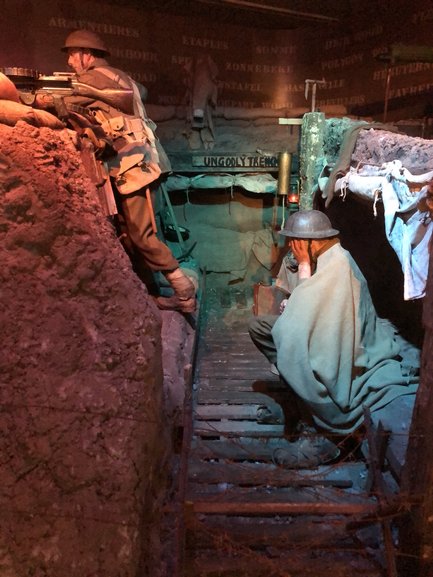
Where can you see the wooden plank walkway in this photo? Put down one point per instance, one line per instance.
(245, 515)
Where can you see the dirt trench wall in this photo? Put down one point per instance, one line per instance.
(81, 438)
(362, 225)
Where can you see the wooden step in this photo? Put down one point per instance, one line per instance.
(228, 428)
(268, 412)
(246, 371)
(227, 384)
(236, 449)
(289, 502)
(260, 474)
(234, 397)
(281, 532)
(309, 563)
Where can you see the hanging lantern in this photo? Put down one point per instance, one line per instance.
(293, 196)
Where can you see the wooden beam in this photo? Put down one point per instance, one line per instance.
(282, 508)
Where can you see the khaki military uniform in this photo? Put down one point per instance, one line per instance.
(138, 163)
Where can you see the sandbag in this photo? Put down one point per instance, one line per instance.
(228, 215)
(12, 112)
(8, 90)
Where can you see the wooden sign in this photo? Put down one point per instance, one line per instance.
(228, 162)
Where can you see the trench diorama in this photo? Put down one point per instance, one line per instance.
(237, 176)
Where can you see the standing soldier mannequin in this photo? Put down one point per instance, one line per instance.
(138, 163)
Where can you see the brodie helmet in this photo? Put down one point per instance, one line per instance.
(85, 39)
(307, 224)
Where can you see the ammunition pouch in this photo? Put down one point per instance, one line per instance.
(133, 167)
(123, 126)
(102, 146)
(140, 158)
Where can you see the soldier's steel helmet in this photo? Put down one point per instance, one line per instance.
(85, 39)
(309, 224)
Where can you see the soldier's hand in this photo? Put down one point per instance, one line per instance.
(300, 250)
(44, 101)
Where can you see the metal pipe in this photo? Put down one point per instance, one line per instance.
(387, 92)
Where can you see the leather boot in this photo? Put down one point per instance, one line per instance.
(307, 452)
(184, 289)
(174, 303)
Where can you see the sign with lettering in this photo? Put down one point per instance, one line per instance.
(254, 69)
(230, 162)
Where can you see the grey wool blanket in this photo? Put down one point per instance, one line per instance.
(334, 351)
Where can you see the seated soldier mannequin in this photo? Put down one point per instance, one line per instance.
(328, 344)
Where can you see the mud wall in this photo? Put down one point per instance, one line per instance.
(362, 223)
(81, 430)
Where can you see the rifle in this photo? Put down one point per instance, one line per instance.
(33, 88)
(98, 174)
(42, 91)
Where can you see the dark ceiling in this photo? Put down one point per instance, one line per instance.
(264, 14)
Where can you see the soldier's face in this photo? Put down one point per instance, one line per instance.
(78, 60)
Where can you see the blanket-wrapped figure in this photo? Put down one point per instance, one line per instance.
(329, 345)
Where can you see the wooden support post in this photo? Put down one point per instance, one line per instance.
(416, 533)
(378, 486)
(313, 131)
